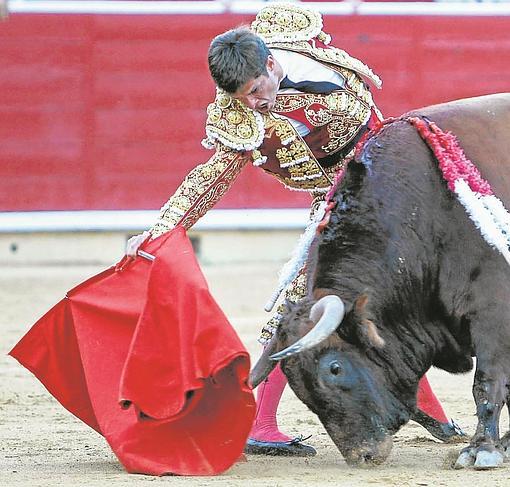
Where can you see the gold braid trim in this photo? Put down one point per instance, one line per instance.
(294, 293)
(296, 157)
(200, 190)
(298, 287)
(342, 111)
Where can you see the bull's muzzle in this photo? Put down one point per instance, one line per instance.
(369, 454)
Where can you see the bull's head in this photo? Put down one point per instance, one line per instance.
(330, 359)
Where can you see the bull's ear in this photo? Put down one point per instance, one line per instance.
(360, 327)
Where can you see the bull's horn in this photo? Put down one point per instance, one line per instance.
(264, 366)
(328, 313)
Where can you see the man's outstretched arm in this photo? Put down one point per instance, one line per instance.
(201, 189)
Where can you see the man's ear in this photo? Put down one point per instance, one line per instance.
(270, 63)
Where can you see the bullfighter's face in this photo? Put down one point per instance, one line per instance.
(350, 398)
(260, 93)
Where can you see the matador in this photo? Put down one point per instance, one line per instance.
(294, 106)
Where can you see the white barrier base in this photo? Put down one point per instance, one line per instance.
(139, 220)
(99, 237)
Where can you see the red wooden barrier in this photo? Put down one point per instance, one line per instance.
(107, 111)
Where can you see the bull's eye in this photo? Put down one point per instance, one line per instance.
(334, 367)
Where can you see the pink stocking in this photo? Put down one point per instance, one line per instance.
(428, 402)
(269, 392)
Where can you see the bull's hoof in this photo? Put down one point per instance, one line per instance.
(505, 444)
(486, 460)
(481, 458)
(466, 459)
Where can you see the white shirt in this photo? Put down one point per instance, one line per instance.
(298, 67)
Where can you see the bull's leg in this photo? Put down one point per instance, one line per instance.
(485, 450)
(505, 440)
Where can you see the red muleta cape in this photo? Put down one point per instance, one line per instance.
(146, 357)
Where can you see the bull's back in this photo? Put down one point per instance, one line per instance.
(482, 125)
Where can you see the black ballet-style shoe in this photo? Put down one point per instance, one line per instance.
(449, 432)
(291, 448)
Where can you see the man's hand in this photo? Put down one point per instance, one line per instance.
(133, 244)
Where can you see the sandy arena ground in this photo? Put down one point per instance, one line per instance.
(42, 444)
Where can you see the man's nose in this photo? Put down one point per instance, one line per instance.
(251, 102)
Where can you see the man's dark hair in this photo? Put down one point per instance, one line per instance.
(236, 57)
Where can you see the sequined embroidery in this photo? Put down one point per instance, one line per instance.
(284, 22)
(296, 157)
(341, 111)
(233, 124)
(200, 190)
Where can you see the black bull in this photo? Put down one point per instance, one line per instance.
(418, 287)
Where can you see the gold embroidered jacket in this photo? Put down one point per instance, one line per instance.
(240, 135)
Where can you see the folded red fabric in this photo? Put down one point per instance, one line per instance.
(145, 356)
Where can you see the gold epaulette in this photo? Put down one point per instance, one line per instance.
(287, 22)
(233, 124)
(291, 27)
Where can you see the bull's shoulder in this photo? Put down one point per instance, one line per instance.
(479, 108)
(481, 125)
